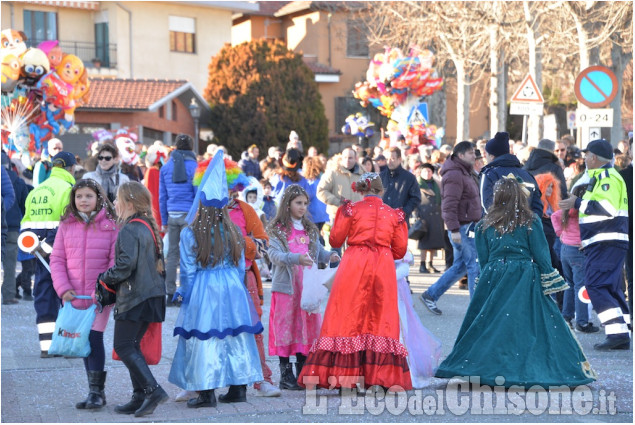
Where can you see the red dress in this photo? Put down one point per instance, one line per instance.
(360, 330)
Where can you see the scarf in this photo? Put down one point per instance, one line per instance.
(109, 180)
(297, 223)
(179, 174)
(431, 185)
(87, 217)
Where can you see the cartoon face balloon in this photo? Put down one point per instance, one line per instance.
(10, 72)
(34, 65)
(12, 42)
(70, 69)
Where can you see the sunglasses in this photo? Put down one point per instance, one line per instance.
(104, 158)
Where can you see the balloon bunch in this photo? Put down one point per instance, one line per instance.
(395, 83)
(358, 125)
(41, 87)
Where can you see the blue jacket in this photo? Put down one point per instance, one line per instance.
(502, 166)
(175, 196)
(8, 194)
(317, 208)
(250, 167)
(16, 212)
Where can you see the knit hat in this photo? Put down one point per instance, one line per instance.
(547, 145)
(499, 145)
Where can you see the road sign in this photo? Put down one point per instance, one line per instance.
(571, 119)
(596, 86)
(528, 92)
(595, 133)
(594, 117)
(525, 108)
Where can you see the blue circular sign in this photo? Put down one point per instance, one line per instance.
(596, 86)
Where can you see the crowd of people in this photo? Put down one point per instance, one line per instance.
(523, 229)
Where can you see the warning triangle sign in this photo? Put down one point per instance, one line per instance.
(528, 91)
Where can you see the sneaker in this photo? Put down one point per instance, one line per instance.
(430, 303)
(267, 390)
(185, 395)
(589, 328)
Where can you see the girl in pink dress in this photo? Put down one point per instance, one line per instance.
(294, 244)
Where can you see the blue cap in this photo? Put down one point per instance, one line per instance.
(65, 159)
(601, 148)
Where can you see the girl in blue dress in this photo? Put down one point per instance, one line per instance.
(217, 320)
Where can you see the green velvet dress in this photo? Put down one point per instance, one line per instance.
(512, 328)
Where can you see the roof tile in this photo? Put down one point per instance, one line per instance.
(128, 94)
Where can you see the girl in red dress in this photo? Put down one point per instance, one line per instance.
(359, 338)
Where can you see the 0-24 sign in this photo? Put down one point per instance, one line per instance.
(594, 117)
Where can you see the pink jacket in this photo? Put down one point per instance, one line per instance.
(569, 235)
(79, 255)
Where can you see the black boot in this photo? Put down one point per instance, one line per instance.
(138, 396)
(96, 397)
(155, 395)
(423, 269)
(236, 394)
(287, 380)
(299, 364)
(205, 399)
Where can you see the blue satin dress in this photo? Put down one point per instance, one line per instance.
(216, 325)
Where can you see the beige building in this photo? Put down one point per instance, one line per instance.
(128, 39)
(332, 42)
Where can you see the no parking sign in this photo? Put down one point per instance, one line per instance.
(596, 86)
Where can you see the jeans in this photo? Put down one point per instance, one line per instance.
(573, 269)
(464, 261)
(10, 260)
(175, 225)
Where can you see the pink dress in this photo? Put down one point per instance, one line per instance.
(291, 329)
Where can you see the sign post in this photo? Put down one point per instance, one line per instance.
(527, 100)
(595, 87)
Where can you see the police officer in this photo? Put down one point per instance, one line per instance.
(604, 219)
(44, 207)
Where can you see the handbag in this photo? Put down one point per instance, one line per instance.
(418, 230)
(150, 344)
(72, 328)
(314, 289)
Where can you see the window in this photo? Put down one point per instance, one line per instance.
(174, 110)
(150, 135)
(162, 112)
(101, 44)
(356, 40)
(39, 26)
(182, 34)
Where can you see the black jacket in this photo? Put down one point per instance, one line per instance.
(134, 276)
(401, 189)
(541, 161)
(502, 166)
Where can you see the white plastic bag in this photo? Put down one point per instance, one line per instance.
(313, 289)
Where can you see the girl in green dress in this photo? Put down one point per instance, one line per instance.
(512, 329)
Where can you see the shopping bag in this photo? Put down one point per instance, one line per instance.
(72, 328)
(314, 291)
(150, 344)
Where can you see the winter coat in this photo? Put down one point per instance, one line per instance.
(251, 167)
(336, 183)
(134, 275)
(459, 193)
(16, 212)
(502, 166)
(317, 208)
(401, 190)
(8, 194)
(541, 161)
(175, 196)
(283, 262)
(80, 253)
(430, 211)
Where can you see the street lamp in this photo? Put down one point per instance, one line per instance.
(195, 112)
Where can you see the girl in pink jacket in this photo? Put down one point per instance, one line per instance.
(85, 247)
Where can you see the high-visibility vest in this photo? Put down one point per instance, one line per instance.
(604, 209)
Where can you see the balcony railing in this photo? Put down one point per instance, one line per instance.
(89, 53)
